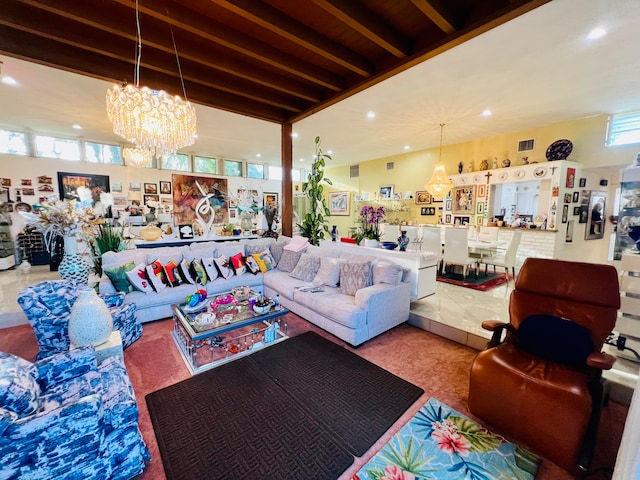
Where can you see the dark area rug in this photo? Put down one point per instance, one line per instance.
(482, 283)
(298, 409)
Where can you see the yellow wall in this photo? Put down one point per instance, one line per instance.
(412, 170)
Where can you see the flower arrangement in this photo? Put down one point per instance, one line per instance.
(370, 218)
(60, 218)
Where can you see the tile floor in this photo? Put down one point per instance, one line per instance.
(453, 312)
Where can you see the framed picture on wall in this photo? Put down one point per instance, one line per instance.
(386, 191)
(482, 191)
(423, 197)
(447, 218)
(339, 203)
(165, 188)
(576, 197)
(582, 182)
(464, 200)
(576, 210)
(68, 184)
(270, 200)
(567, 198)
(565, 213)
(151, 188)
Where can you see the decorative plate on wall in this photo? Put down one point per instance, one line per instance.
(519, 174)
(476, 179)
(559, 150)
(502, 176)
(539, 172)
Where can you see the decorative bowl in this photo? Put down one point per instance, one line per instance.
(389, 245)
(261, 309)
(151, 233)
(241, 294)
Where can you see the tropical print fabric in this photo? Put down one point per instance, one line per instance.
(442, 444)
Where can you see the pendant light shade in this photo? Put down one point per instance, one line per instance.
(439, 185)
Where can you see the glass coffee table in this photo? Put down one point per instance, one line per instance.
(217, 333)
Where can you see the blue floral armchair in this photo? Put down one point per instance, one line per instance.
(47, 306)
(63, 417)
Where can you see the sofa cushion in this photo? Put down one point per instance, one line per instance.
(200, 250)
(354, 276)
(166, 254)
(276, 250)
(256, 247)
(209, 265)
(386, 272)
(328, 273)
(155, 274)
(19, 389)
(187, 273)
(237, 264)
(288, 260)
(172, 273)
(118, 276)
(229, 249)
(335, 306)
(223, 266)
(113, 259)
(264, 260)
(556, 339)
(199, 270)
(7, 417)
(139, 280)
(280, 281)
(252, 265)
(306, 268)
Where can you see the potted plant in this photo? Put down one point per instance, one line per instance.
(370, 219)
(314, 225)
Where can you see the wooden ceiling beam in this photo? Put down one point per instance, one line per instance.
(438, 14)
(273, 20)
(367, 25)
(218, 33)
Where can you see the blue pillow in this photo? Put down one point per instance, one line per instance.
(556, 339)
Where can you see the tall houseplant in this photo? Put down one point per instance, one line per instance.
(314, 225)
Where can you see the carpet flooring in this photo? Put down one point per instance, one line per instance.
(482, 283)
(299, 409)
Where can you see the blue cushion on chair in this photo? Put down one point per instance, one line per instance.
(556, 339)
(19, 389)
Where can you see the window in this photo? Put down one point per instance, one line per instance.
(54, 147)
(624, 129)
(177, 161)
(103, 153)
(205, 165)
(255, 170)
(233, 168)
(275, 173)
(13, 142)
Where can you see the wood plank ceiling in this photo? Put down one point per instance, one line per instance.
(276, 60)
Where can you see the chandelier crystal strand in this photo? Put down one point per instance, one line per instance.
(152, 119)
(137, 157)
(439, 185)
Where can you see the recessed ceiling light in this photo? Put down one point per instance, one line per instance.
(486, 113)
(77, 127)
(10, 81)
(258, 155)
(371, 115)
(407, 147)
(195, 136)
(302, 159)
(294, 134)
(329, 152)
(596, 33)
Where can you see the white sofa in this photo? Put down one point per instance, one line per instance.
(353, 318)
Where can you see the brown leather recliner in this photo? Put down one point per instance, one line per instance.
(549, 400)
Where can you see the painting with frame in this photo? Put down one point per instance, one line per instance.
(464, 200)
(386, 191)
(270, 198)
(165, 187)
(186, 196)
(339, 203)
(68, 184)
(423, 197)
(150, 188)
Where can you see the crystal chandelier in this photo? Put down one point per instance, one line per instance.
(152, 119)
(439, 185)
(137, 157)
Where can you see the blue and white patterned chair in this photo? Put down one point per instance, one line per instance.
(63, 417)
(47, 306)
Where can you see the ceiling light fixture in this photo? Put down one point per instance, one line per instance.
(152, 119)
(137, 157)
(439, 185)
(486, 113)
(596, 33)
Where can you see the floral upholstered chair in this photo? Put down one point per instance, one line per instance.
(47, 306)
(63, 417)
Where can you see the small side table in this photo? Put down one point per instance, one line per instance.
(111, 348)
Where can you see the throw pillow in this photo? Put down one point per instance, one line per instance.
(118, 276)
(187, 273)
(265, 261)
(252, 265)
(306, 268)
(237, 264)
(297, 244)
(155, 274)
(209, 266)
(138, 279)
(386, 272)
(288, 260)
(172, 271)
(200, 272)
(276, 250)
(19, 389)
(251, 248)
(354, 276)
(223, 266)
(556, 339)
(328, 273)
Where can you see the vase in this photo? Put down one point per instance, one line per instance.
(57, 253)
(245, 222)
(371, 242)
(90, 321)
(73, 265)
(403, 241)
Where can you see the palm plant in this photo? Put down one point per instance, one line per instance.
(314, 225)
(103, 238)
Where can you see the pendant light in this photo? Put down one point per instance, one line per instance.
(439, 185)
